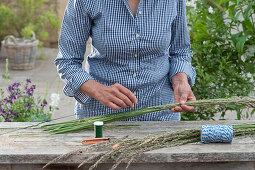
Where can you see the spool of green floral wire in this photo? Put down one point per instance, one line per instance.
(98, 128)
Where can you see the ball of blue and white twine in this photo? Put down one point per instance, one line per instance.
(216, 134)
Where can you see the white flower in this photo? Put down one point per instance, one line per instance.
(249, 75)
(191, 3)
(54, 99)
(210, 10)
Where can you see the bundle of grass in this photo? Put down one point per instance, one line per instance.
(77, 125)
(125, 150)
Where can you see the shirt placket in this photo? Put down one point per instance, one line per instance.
(137, 28)
(136, 44)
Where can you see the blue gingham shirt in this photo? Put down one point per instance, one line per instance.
(142, 53)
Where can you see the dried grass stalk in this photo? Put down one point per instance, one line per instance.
(82, 124)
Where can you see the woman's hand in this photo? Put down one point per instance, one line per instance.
(114, 96)
(182, 93)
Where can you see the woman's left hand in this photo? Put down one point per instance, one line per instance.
(182, 93)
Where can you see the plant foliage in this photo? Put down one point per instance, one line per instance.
(223, 41)
(18, 104)
(23, 17)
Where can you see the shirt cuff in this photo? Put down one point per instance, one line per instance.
(178, 66)
(71, 89)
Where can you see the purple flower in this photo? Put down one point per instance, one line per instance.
(28, 105)
(8, 101)
(13, 97)
(7, 119)
(44, 103)
(21, 98)
(28, 81)
(30, 91)
(14, 85)
(10, 88)
(11, 112)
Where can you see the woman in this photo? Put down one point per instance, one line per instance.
(140, 57)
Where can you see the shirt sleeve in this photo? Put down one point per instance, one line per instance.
(74, 34)
(179, 51)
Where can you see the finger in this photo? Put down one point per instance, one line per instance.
(113, 106)
(177, 109)
(127, 93)
(125, 99)
(186, 108)
(191, 97)
(183, 99)
(118, 102)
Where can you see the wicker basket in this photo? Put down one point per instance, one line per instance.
(21, 52)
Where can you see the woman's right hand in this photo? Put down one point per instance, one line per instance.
(114, 96)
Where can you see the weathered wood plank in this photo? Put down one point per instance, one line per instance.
(39, 149)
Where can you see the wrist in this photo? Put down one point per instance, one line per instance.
(179, 78)
(90, 88)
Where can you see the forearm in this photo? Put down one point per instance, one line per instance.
(180, 53)
(89, 88)
(179, 78)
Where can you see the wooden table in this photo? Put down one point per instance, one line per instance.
(24, 152)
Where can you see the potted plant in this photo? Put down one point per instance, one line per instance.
(23, 19)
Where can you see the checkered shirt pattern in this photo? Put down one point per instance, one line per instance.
(142, 53)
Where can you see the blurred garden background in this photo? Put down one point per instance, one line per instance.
(222, 34)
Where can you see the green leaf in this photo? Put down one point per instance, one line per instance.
(231, 107)
(250, 67)
(234, 1)
(238, 114)
(247, 11)
(240, 44)
(232, 11)
(27, 31)
(223, 1)
(252, 112)
(237, 17)
(184, 117)
(235, 37)
(247, 25)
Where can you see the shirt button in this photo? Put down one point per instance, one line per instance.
(134, 93)
(134, 75)
(135, 55)
(140, 12)
(137, 35)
